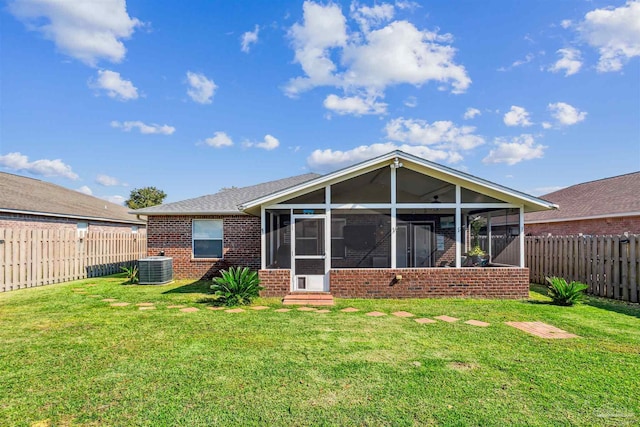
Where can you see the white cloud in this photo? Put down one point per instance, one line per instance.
(201, 89)
(566, 114)
(85, 190)
(517, 116)
(269, 143)
(118, 200)
(107, 181)
(354, 105)
(327, 160)
(411, 102)
(144, 128)
(218, 140)
(471, 113)
(115, 86)
(520, 148)
(369, 60)
(570, 61)
(566, 23)
(444, 135)
(45, 167)
(249, 38)
(615, 33)
(88, 31)
(546, 125)
(371, 16)
(528, 58)
(540, 191)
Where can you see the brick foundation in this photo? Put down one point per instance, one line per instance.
(276, 283)
(487, 282)
(172, 234)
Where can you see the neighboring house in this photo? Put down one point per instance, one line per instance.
(607, 206)
(35, 204)
(393, 226)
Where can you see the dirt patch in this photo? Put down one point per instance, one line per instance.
(462, 366)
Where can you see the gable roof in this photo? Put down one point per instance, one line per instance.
(615, 196)
(436, 170)
(20, 194)
(225, 201)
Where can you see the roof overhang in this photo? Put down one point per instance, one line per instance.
(207, 213)
(582, 218)
(444, 173)
(80, 217)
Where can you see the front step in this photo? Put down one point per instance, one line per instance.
(310, 298)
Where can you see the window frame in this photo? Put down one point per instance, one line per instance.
(193, 239)
(344, 223)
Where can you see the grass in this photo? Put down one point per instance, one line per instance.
(69, 359)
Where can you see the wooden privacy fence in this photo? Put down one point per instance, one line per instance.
(609, 265)
(31, 258)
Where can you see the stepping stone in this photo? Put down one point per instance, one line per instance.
(282, 310)
(425, 320)
(542, 330)
(175, 306)
(403, 314)
(235, 310)
(94, 296)
(375, 314)
(91, 284)
(477, 323)
(119, 304)
(77, 289)
(109, 300)
(147, 307)
(215, 308)
(307, 309)
(349, 310)
(189, 310)
(259, 307)
(323, 311)
(447, 319)
(80, 292)
(145, 304)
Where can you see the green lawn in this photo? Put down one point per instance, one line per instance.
(69, 359)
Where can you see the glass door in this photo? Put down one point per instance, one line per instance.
(309, 255)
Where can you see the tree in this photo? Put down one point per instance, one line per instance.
(145, 197)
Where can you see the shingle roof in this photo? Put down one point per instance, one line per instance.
(29, 195)
(609, 196)
(225, 201)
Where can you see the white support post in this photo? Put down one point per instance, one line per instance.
(327, 234)
(263, 239)
(522, 261)
(394, 221)
(489, 236)
(458, 227)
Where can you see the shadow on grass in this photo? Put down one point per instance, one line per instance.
(197, 287)
(622, 307)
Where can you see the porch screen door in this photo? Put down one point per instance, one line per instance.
(422, 245)
(309, 268)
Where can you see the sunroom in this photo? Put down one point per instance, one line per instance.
(396, 225)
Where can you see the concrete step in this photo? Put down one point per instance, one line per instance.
(308, 298)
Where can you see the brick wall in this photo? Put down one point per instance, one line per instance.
(38, 222)
(596, 227)
(276, 283)
(172, 234)
(431, 282)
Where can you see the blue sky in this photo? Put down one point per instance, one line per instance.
(105, 96)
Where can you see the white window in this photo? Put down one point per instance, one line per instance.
(207, 238)
(134, 229)
(83, 227)
(338, 248)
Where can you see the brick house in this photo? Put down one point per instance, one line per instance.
(35, 204)
(609, 206)
(392, 226)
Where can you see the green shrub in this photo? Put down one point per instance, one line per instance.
(237, 286)
(476, 251)
(132, 274)
(563, 293)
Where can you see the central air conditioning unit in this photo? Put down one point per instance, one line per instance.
(155, 270)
